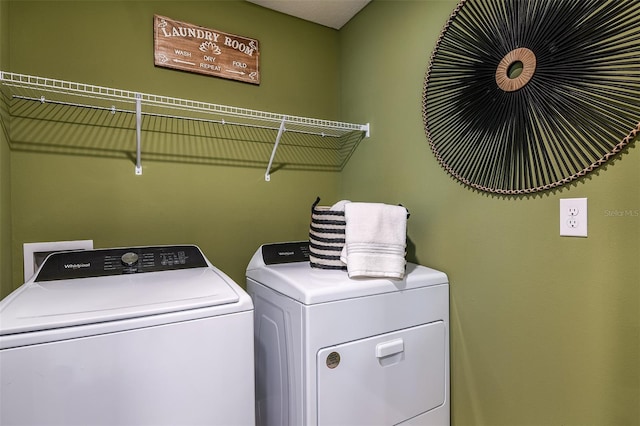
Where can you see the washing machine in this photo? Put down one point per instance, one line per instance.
(337, 351)
(128, 336)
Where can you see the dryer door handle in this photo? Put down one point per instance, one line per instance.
(391, 347)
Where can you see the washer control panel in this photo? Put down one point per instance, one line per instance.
(118, 261)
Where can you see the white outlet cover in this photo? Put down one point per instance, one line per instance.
(573, 217)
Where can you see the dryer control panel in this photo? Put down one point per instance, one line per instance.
(118, 261)
(297, 251)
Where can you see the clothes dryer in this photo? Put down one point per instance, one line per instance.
(337, 351)
(129, 336)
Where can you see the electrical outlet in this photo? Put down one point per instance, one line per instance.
(573, 217)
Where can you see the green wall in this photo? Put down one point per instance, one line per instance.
(5, 213)
(545, 329)
(5, 162)
(73, 183)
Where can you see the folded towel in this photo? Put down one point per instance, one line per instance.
(375, 240)
(339, 206)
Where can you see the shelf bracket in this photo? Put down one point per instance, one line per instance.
(267, 175)
(138, 131)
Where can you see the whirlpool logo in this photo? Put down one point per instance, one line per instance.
(77, 265)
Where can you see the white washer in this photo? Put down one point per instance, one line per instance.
(133, 336)
(337, 351)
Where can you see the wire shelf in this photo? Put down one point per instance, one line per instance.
(153, 112)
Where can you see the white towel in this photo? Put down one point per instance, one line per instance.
(339, 206)
(375, 240)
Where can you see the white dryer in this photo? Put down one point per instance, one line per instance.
(337, 351)
(132, 336)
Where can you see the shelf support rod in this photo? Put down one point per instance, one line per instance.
(267, 175)
(138, 132)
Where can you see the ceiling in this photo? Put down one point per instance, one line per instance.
(330, 13)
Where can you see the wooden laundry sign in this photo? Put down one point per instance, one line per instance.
(201, 50)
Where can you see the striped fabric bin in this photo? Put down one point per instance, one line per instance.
(326, 237)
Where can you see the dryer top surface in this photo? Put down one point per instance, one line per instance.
(299, 281)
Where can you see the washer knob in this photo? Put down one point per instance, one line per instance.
(129, 259)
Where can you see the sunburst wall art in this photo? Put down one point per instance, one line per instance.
(526, 95)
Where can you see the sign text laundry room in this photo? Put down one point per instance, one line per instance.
(188, 47)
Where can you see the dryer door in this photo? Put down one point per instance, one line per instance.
(382, 380)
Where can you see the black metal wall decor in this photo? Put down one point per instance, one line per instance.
(523, 96)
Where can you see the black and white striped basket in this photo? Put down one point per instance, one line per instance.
(326, 237)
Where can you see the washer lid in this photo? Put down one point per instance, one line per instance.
(307, 285)
(42, 305)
